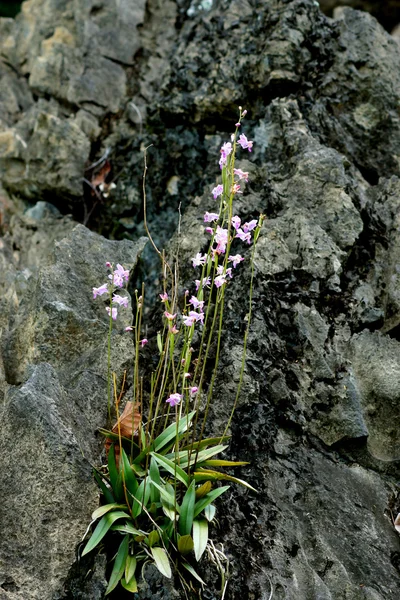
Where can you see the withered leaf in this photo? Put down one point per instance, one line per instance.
(127, 424)
(100, 177)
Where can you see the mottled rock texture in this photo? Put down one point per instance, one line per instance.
(55, 365)
(318, 415)
(387, 12)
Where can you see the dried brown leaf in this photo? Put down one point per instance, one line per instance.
(127, 424)
(100, 177)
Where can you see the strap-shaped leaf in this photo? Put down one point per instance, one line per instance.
(200, 537)
(106, 491)
(153, 538)
(210, 475)
(192, 572)
(130, 567)
(102, 527)
(115, 477)
(223, 463)
(167, 497)
(128, 528)
(127, 443)
(128, 475)
(202, 456)
(185, 544)
(119, 565)
(203, 489)
(209, 512)
(131, 585)
(141, 497)
(207, 442)
(169, 512)
(102, 510)
(187, 507)
(166, 436)
(171, 467)
(207, 499)
(154, 476)
(162, 562)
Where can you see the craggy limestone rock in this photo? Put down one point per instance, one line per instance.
(55, 357)
(67, 51)
(387, 13)
(317, 415)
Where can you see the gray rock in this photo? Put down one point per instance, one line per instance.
(364, 131)
(71, 51)
(310, 554)
(55, 362)
(376, 363)
(44, 153)
(48, 482)
(317, 413)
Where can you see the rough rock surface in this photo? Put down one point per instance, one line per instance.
(387, 13)
(55, 360)
(317, 417)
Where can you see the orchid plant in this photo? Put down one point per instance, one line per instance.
(162, 476)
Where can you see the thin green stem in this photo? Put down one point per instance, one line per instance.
(109, 362)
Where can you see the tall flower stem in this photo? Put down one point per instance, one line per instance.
(109, 362)
(246, 335)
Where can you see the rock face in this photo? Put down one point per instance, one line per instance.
(55, 388)
(387, 13)
(317, 417)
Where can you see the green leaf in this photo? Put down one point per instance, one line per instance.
(128, 528)
(102, 510)
(130, 567)
(143, 436)
(208, 498)
(131, 586)
(127, 443)
(209, 512)
(203, 490)
(153, 538)
(202, 456)
(200, 537)
(141, 497)
(210, 475)
(165, 437)
(185, 544)
(172, 468)
(162, 562)
(170, 432)
(223, 463)
(128, 475)
(207, 442)
(102, 527)
(168, 532)
(192, 572)
(115, 477)
(154, 476)
(159, 343)
(167, 497)
(167, 501)
(187, 507)
(167, 450)
(169, 512)
(137, 469)
(119, 565)
(105, 490)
